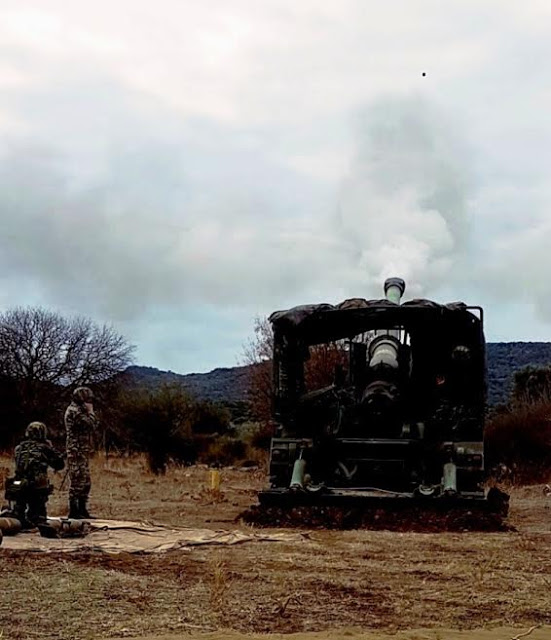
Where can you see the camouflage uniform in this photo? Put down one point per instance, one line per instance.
(32, 458)
(80, 423)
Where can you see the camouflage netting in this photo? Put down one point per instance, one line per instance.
(320, 322)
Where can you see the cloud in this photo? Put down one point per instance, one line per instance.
(134, 214)
(516, 268)
(165, 163)
(137, 217)
(403, 209)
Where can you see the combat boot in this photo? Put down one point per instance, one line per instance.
(74, 509)
(83, 509)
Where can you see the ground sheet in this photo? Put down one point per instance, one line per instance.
(116, 536)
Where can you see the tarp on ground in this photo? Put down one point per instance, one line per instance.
(118, 536)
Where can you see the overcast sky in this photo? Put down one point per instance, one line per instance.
(176, 168)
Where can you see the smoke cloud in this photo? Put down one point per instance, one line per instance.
(148, 222)
(403, 209)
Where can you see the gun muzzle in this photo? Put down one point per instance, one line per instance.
(394, 289)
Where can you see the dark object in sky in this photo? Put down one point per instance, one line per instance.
(402, 423)
(423, 74)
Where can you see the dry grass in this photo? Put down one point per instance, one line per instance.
(367, 579)
(124, 488)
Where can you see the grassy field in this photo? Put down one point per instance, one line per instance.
(371, 580)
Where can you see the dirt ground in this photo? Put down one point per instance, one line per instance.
(498, 633)
(420, 586)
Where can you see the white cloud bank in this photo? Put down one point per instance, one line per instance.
(180, 165)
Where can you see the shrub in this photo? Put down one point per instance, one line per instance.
(531, 385)
(262, 437)
(520, 439)
(207, 417)
(163, 423)
(184, 451)
(224, 451)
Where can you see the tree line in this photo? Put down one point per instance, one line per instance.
(44, 356)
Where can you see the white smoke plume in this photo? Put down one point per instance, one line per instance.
(174, 221)
(403, 208)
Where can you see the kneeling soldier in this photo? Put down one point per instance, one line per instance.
(31, 487)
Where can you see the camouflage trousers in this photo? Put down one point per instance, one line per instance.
(30, 507)
(79, 475)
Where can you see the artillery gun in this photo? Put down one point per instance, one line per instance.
(398, 434)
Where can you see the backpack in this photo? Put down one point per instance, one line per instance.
(30, 465)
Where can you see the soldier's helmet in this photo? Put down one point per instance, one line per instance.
(82, 395)
(36, 431)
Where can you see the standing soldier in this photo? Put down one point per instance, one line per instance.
(80, 423)
(32, 487)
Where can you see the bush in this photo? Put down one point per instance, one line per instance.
(531, 385)
(520, 439)
(224, 451)
(518, 435)
(262, 438)
(184, 451)
(168, 424)
(207, 417)
(257, 435)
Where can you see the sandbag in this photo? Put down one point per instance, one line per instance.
(9, 526)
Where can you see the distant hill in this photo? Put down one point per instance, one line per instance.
(504, 358)
(219, 385)
(230, 384)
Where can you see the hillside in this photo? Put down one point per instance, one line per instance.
(230, 384)
(504, 358)
(219, 385)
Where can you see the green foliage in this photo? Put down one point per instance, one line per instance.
(504, 358)
(531, 385)
(207, 417)
(166, 422)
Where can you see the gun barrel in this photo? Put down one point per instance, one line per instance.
(394, 289)
(385, 347)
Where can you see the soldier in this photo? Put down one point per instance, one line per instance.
(31, 489)
(80, 423)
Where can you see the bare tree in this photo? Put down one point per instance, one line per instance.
(36, 344)
(258, 354)
(42, 353)
(319, 368)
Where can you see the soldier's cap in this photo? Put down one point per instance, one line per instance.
(36, 431)
(81, 395)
